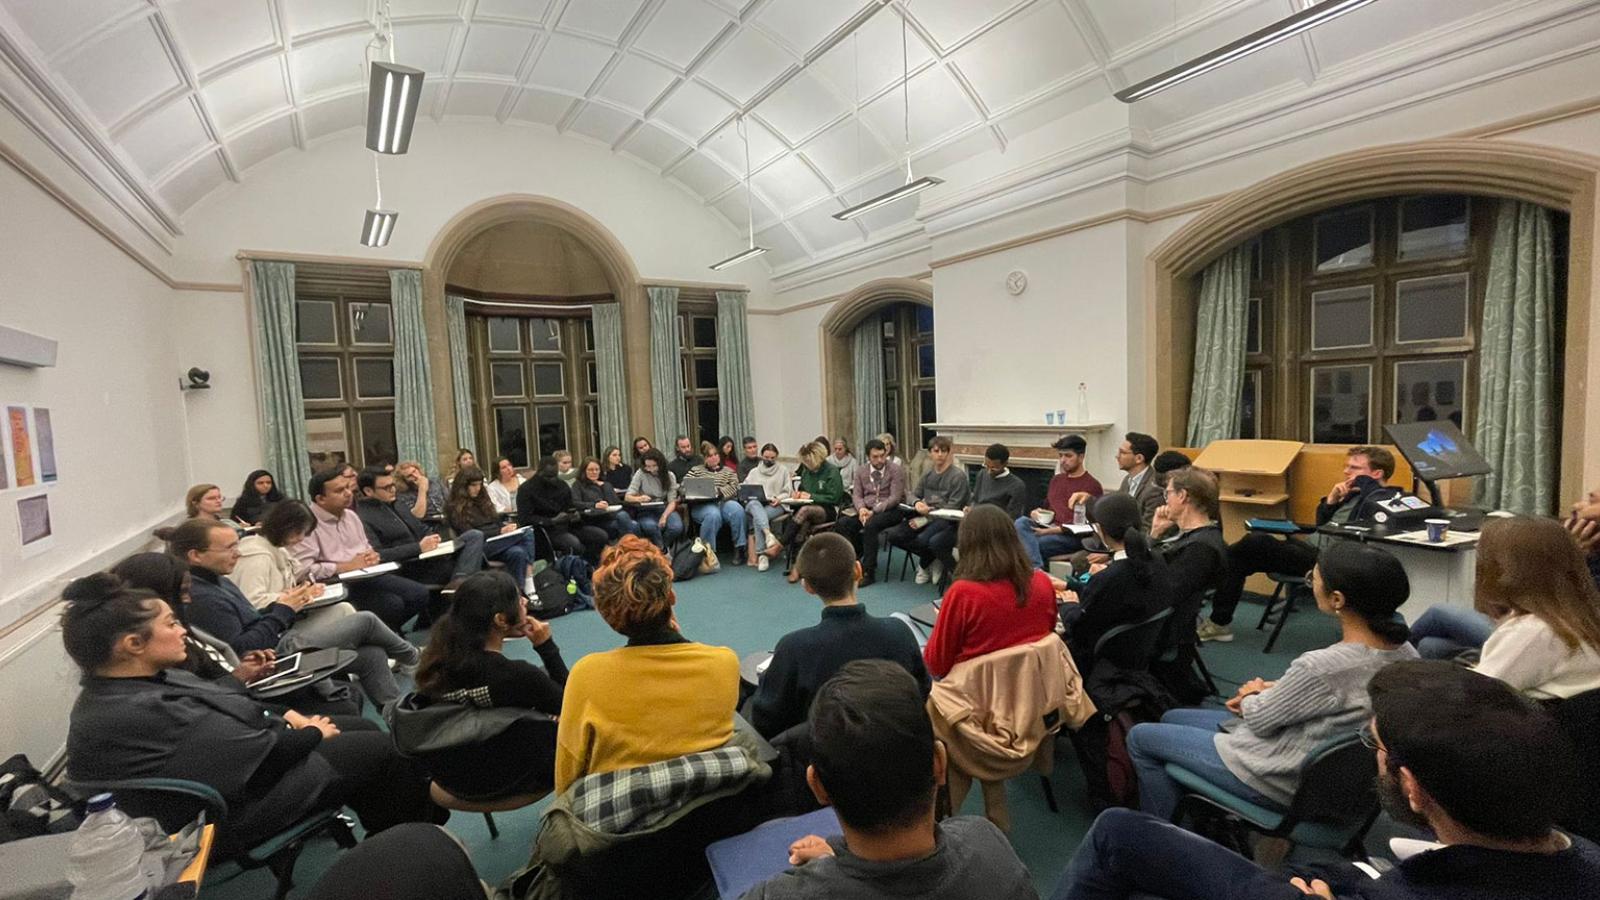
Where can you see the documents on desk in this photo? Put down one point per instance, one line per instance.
(445, 548)
(369, 571)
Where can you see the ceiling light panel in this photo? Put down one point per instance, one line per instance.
(680, 31)
(494, 50)
(142, 71)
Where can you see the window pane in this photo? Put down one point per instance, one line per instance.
(505, 335)
(544, 335)
(371, 323)
(505, 379)
(593, 410)
(705, 373)
(1433, 226)
(1249, 406)
(594, 377)
(552, 428)
(688, 373)
(929, 411)
(891, 413)
(1341, 318)
(888, 324)
(314, 322)
(891, 366)
(705, 333)
(588, 334)
(1431, 309)
(1256, 254)
(327, 442)
(1252, 326)
(925, 361)
(710, 424)
(924, 319)
(374, 378)
(1340, 404)
(1429, 390)
(511, 433)
(547, 380)
(1344, 239)
(377, 437)
(319, 378)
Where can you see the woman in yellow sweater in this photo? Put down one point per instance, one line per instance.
(661, 696)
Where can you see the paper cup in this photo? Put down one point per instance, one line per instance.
(1044, 516)
(1437, 529)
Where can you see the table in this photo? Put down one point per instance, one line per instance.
(1442, 573)
(752, 666)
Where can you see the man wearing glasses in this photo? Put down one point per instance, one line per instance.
(1481, 768)
(399, 536)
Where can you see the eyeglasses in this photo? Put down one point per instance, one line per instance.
(1369, 737)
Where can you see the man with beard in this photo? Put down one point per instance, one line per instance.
(1460, 754)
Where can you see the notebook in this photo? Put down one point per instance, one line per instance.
(369, 571)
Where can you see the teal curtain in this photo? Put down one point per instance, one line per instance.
(666, 368)
(414, 433)
(1219, 341)
(735, 401)
(613, 382)
(455, 316)
(281, 405)
(867, 354)
(1516, 428)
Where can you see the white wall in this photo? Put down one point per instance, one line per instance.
(118, 422)
(212, 331)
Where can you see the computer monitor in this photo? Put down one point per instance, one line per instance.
(1437, 450)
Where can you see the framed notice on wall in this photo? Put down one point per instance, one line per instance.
(21, 445)
(33, 524)
(44, 442)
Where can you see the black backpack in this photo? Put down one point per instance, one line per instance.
(31, 805)
(555, 594)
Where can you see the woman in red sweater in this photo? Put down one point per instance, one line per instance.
(998, 600)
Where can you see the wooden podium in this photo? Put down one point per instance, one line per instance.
(1252, 483)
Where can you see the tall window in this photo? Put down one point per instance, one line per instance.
(346, 355)
(908, 375)
(697, 338)
(534, 385)
(1366, 315)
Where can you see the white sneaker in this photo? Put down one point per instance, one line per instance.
(922, 575)
(763, 563)
(527, 586)
(935, 571)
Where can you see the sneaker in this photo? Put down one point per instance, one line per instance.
(1211, 631)
(528, 590)
(922, 574)
(935, 571)
(763, 563)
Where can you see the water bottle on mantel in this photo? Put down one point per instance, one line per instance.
(1083, 403)
(104, 860)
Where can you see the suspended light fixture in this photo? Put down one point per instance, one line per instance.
(393, 92)
(1307, 18)
(749, 208)
(379, 222)
(913, 184)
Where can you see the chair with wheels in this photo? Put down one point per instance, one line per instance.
(175, 802)
(1281, 604)
(1334, 806)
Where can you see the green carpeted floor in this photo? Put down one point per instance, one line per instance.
(749, 611)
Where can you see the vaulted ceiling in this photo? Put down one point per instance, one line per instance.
(182, 96)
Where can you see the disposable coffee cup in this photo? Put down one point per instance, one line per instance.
(1044, 516)
(1436, 529)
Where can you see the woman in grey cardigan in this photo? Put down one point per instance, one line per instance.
(1254, 749)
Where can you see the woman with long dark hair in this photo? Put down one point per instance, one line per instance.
(465, 662)
(600, 502)
(652, 496)
(469, 509)
(1255, 748)
(998, 599)
(615, 472)
(503, 489)
(259, 492)
(1131, 588)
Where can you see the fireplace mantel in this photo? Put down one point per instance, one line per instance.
(1029, 444)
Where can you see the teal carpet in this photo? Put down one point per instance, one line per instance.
(749, 611)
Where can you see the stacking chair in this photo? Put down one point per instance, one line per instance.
(1281, 604)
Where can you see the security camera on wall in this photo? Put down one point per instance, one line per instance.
(198, 380)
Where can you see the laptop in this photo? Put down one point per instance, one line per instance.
(756, 492)
(699, 489)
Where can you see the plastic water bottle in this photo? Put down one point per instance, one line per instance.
(1080, 514)
(104, 861)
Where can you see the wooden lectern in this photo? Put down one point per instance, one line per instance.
(1253, 483)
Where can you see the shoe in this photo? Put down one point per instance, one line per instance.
(528, 590)
(935, 571)
(763, 563)
(774, 549)
(793, 576)
(922, 575)
(1208, 630)
(405, 670)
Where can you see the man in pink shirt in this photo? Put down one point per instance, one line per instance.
(1044, 541)
(339, 544)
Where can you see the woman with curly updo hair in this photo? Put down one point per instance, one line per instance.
(658, 697)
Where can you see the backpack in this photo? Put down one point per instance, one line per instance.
(579, 572)
(695, 559)
(31, 805)
(1102, 749)
(554, 594)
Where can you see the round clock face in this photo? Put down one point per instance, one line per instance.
(1017, 282)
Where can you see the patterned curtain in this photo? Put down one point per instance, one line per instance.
(868, 356)
(415, 437)
(1219, 339)
(283, 418)
(613, 380)
(735, 400)
(666, 368)
(1516, 429)
(455, 316)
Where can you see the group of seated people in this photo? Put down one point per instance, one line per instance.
(168, 642)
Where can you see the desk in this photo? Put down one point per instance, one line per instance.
(1441, 573)
(752, 667)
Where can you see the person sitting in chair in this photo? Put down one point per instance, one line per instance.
(1131, 588)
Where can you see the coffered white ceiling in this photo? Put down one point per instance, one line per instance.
(182, 96)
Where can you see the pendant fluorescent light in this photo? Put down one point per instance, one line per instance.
(750, 211)
(392, 95)
(1301, 21)
(375, 229)
(913, 184)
